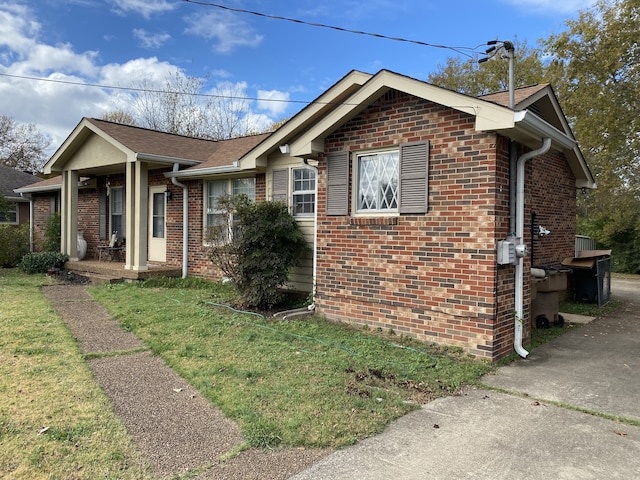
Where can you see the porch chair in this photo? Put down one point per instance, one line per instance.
(113, 250)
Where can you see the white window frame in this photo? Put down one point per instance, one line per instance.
(303, 192)
(229, 186)
(357, 207)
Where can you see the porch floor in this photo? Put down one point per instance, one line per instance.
(113, 272)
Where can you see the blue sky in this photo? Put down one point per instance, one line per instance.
(119, 42)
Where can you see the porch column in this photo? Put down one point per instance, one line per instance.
(69, 214)
(137, 198)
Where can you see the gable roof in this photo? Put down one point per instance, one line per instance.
(537, 115)
(134, 141)
(11, 179)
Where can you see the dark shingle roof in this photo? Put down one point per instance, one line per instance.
(142, 140)
(10, 178)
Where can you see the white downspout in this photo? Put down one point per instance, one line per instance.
(521, 248)
(185, 221)
(315, 236)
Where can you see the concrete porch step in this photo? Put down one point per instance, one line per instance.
(113, 272)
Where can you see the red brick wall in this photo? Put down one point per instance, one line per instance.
(42, 211)
(431, 276)
(553, 193)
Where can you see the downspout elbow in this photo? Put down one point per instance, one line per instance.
(185, 221)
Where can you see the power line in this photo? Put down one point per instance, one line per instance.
(459, 50)
(150, 90)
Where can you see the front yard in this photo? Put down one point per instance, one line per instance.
(302, 382)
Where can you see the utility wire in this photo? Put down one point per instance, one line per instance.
(150, 90)
(459, 50)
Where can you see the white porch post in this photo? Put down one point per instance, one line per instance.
(136, 215)
(69, 214)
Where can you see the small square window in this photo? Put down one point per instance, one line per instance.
(378, 182)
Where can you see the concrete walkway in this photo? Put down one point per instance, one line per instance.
(571, 410)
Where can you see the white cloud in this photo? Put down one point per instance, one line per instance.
(146, 8)
(227, 30)
(274, 101)
(150, 40)
(551, 6)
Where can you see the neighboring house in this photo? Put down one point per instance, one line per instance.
(17, 212)
(404, 189)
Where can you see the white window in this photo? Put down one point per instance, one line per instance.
(377, 189)
(10, 213)
(215, 215)
(117, 212)
(304, 191)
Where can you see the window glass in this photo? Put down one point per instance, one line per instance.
(304, 187)
(10, 215)
(158, 215)
(378, 182)
(215, 216)
(116, 196)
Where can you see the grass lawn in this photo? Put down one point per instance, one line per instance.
(298, 382)
(55, 422)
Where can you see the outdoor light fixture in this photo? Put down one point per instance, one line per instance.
(167, 194)
(284, 149)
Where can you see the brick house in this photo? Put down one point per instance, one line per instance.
(17, 211)
(405, 190)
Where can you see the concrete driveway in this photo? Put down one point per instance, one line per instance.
(569, 411)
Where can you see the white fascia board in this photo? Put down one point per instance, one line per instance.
(531, 123)
(150, 157)
(47, 188)
(203, 172)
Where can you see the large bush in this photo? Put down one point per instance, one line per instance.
(256, 254)
(42, 262)
(14, 243)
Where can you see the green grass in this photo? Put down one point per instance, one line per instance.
(300, 382)
(55, 422)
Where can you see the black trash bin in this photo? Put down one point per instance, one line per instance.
(591, 276)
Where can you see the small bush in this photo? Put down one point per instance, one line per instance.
(14, 243)
(52, 234)
(42, 262)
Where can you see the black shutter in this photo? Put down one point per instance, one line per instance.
(414, 173)
(338, 183)
(102, 214)
(280, 185)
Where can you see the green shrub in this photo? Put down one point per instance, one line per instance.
(42, 262)
(52, 234)
(14, 243)
(266, 242)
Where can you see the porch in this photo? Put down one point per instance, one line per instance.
(100, 272)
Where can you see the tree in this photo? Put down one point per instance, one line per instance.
(179, 106)
(473, 78)
(599, 59)
(22, 146)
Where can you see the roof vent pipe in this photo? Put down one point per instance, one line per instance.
(519, 277)
(185, 221)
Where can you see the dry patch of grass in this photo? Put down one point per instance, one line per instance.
(55, 422)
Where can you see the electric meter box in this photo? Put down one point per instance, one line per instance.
(506, 252)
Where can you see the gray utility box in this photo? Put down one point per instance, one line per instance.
(545, 297)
